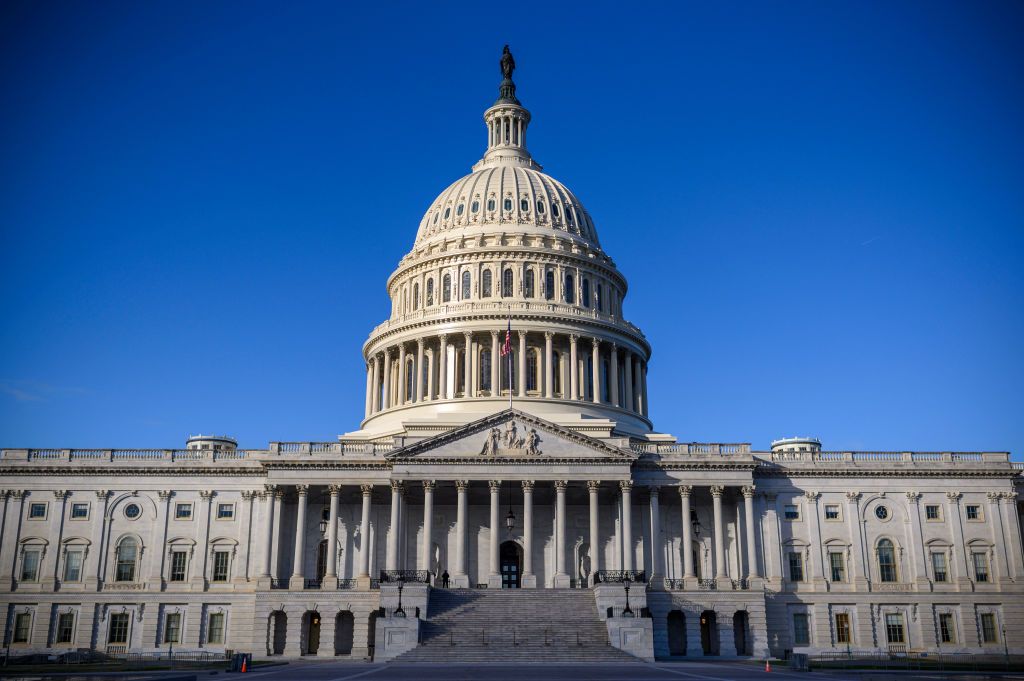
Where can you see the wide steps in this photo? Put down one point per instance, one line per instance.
(475, 625)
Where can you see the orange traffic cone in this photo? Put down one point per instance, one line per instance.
(767, 665)
(244, 667)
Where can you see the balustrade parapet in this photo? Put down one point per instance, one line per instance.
(885, 457)
(692, 448)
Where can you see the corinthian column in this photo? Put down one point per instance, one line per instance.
(549, 373)
(596, 371)
(748, 508)
(386, 400)
(331, 574)
(716, 503)
(593, 486)
(561, 577)
(298, 580)
(529, 579)
(684, 495)
(613, 376)
(657, 577)
(375, 394)
(627, 524)
(467, 367)
(460, 579)
(369, 390)
(627, 358)
(428, 524)
(400, 394)
(391, 558)
(495, 365)
(442, 364)
(574, 369)
(364, 539)
(419, 370)
(494, 577)
(522, 364)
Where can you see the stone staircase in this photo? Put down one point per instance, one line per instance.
(524, 625)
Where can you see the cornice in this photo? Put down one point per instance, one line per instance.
(97, 471)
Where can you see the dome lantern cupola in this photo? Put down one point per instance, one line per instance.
(506, 124)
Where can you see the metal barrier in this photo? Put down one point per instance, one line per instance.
(898, 659)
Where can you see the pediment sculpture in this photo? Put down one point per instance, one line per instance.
(510, 441)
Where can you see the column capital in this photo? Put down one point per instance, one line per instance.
(20, 494)
(913, 497)
(60, 494)
(685, 490)
(852, 496)
(573, 338)
(269, 489)
(443, 337)
(812, 496)
(494, 485)
(247, 494)
(462, 485)
(397, 486)
(717, 490)
(165, 494)
(521, 334)
(615, 346)
(334, 490)
(593, 485)
(429, 484)
(101, 494)
(560, 485)
(625, 485)
(302, 490)
(548, 335)
(494, 334)
(654, 490)
(366, 490)
(1010, 497)
(993, 497)
(748, 491)
(420, 342)
(207, 494)
(954, 497)
(527, 485)
(596, 341)
(468, 335)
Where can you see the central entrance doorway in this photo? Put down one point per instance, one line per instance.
(511, 565)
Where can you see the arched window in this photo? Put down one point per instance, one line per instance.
(586, 293)
(447, 212)
(549, 285)
(475, 207)
(524, 205)
(540, 207)
(416, 296)
(506, 283)
(556, 372)
(570, 289)
(531, 369)
(446, 288)
(600, 299)
(430, 292)
(568, 216)
(466, 281)
(528, 284)
(507, 204)
(127, 560)
(554, 209)
(410, 379)
(490, 204)
(886, 561)
(460, 209)
(485, 370)
(486, 284)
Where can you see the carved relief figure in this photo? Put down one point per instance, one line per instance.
(533, 442)
(511, 435)
(492, 442)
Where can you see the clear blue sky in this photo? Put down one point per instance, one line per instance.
(818, 206)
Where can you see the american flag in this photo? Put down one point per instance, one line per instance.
(506, 349)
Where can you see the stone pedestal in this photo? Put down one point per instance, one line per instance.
(634, 635)
(329, 584)
(493, 581)
(528, 582)
(562, 581)
(459, 581)
(394, 636)
(363, 583)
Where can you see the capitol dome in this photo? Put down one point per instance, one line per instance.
(506, 246)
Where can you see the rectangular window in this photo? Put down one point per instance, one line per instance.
(792, 512)
(22, 623)
(796, 566)
(225, 511)
(183, 511)
(894, 628)
(947, 629)
(932, 512)
(118, 632)
(939, 567)
(988, 628)
(73, 566)
(838, 566)
(220, 566)
(801, 630)
(179, 566)
(215, 628)
(37, 510)
(30, 566)
(842, 627)
(79, 511)
(65, 627)
(973, 512)
(980, 567)
(831, 511)
(172, 628)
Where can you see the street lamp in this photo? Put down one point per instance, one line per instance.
(323, 527)
(399, 612)
(627, 612)
(510, 519)
(695, 523)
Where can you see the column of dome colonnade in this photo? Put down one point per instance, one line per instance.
(506, 245)
(544, 365)
(397, 532)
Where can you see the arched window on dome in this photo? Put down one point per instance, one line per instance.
(410, 379)
(466, 285)
(556, 373)
(416, 296)
(540, 208)
(507, 204)
(490, 204)
(474, 207)
(430, 292)
(446, 289)
(599, 303)
(570, 289)
(485, 370)
(532, 369)
(447, 212)
(459, 389)
(568, 216)
(586, 293)
(460, 209)
(549, 285)
(554, 210)
(506, 283)
(524, 205)
(486, 284)
(528, 284)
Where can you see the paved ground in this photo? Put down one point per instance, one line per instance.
(662, 671)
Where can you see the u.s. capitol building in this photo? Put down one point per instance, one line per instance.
(522, 470)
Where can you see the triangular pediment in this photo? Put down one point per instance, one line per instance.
(511, 434)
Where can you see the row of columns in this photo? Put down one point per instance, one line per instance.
(460, 576)
(382, 392)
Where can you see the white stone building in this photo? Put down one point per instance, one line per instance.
(535, 468)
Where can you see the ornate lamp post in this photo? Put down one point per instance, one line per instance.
(510, 519)
(399, 612)
(626, 583)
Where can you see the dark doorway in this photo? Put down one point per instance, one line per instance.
(311, 622)
(676, 633)
(511, 565)
(709, 632)
(278, 632)
(740, 632)
(344, 632)
(371, 634)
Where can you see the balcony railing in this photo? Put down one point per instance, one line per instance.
(344, 584)
(616, 576)
(407, 576)
(707, 585)
(279, 584)
(847, 458)
(312, 583)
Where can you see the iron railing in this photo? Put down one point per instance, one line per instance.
(707, 585)
(346, 584)
(614, 576)
(279, 584)
(312, 583)
(407, 576)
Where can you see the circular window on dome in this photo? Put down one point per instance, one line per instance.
(460, 209)
(447, 212)
(475, 206)
(132, 511)
(508, 204)
(490, 204)
(881, 512)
